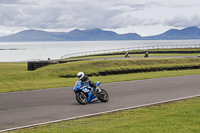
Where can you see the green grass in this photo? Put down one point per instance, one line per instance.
(95, 66)
(176, 117)
(15, 77)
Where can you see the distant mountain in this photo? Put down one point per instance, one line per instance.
(75, 35)
(98, 35)
(33, 35)
(174, 34)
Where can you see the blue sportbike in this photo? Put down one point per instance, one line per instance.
(86, 94)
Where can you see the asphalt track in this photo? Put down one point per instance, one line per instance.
(31, 107)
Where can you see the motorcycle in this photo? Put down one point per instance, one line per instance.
(86, 94)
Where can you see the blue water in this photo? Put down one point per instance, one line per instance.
(25, 51)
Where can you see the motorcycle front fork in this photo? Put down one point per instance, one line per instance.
(98, 89)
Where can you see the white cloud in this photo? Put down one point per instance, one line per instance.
(145, 17)
(180, 21)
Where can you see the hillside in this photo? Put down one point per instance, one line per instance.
(98, 35)
(175, 34)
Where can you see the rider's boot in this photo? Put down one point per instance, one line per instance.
(96, 91)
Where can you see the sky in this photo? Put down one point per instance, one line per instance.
(145, 17)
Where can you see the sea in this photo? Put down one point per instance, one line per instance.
(29, 51)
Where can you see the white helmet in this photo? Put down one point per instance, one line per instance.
(80, 75)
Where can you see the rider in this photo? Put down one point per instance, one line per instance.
(84, 78)
(127, 55)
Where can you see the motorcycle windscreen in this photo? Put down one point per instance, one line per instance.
(77, 86)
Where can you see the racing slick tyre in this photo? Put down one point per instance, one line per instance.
(103, 96)
(81, 97)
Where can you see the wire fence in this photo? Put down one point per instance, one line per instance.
(129, 49)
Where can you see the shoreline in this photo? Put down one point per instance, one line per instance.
(13, 49)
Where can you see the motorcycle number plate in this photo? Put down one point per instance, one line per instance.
(85, 90)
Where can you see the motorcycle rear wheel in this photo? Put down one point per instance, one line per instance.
(81, 97)
(103, 96)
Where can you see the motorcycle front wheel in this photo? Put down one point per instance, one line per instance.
(81, 97)
(103, 96)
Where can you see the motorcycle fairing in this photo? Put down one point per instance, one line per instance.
(85, 89)
(98, 83)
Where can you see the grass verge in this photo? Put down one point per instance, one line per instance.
(94, 67)
(15, 77)
(177, 117)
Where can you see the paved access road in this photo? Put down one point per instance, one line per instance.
(31, 107)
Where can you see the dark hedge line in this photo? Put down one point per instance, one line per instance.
(127, 71)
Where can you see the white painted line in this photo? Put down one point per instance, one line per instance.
(110, 111)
